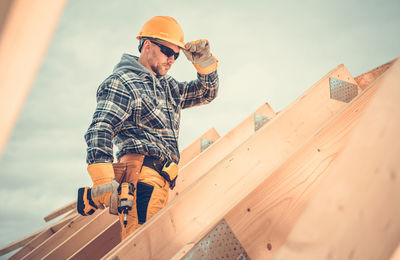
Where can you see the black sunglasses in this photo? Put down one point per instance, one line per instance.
(166, 50)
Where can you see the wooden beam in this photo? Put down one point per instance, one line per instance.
(355, 213)
(60, 211)
(31, 241)
(5, 6)
(26, 33)
(195, 148)
(72, 212)
(53, 241)
(366, 79)
(186, 218)
(84, 234)
(189, 173)
(263, 220)
(19, 243)
(100, 244)
(396, 254)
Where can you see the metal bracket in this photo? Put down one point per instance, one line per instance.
(205, 144)
(342, 90)
(259, 121)
(219, 243)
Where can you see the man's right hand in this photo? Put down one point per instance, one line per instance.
(103, 193)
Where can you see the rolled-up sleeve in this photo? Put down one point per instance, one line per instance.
(114, 104)
(200, 91)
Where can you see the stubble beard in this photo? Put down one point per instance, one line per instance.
(161, 69)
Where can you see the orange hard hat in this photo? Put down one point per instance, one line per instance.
(164, 28)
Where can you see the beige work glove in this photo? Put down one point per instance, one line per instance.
(102, 194)
(198, 52)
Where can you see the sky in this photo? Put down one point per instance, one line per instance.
(268, 51)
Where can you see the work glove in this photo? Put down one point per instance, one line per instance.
(198, 52)
(103, 193)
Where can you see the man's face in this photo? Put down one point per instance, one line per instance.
(158, 61)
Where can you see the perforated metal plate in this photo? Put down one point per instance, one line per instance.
(219, 243)
(342, 91)
(205, 144)
(259, 121)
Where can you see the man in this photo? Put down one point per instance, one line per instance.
(138, 108)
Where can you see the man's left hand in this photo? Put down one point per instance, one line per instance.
(198, 52)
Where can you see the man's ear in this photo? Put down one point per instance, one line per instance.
(146, 44)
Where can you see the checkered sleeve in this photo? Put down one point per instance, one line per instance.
(200, 91)
(114, 104)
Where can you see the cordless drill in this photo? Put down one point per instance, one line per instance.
(125, 199)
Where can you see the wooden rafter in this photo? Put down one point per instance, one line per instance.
(365, 79)
(396, 254)
(25, 35)
(31, 241)
(60, 211)
(195, 148)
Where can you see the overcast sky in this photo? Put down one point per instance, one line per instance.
(268, 51)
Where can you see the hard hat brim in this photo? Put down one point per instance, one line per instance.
(177, 43)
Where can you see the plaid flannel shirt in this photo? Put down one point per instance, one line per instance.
(141, 113)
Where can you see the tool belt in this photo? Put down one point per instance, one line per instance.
(168, 170)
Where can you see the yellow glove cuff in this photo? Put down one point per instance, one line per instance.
(101, 173)
(207, 67)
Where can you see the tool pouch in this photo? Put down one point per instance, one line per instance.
(170, 173)
(127, 169)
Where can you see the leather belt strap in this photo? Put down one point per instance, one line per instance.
(153, 163)
(148, 161)
(130, 157)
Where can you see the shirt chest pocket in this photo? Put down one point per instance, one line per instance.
(152, 114)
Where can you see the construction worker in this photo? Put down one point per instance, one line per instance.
(138, 109)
